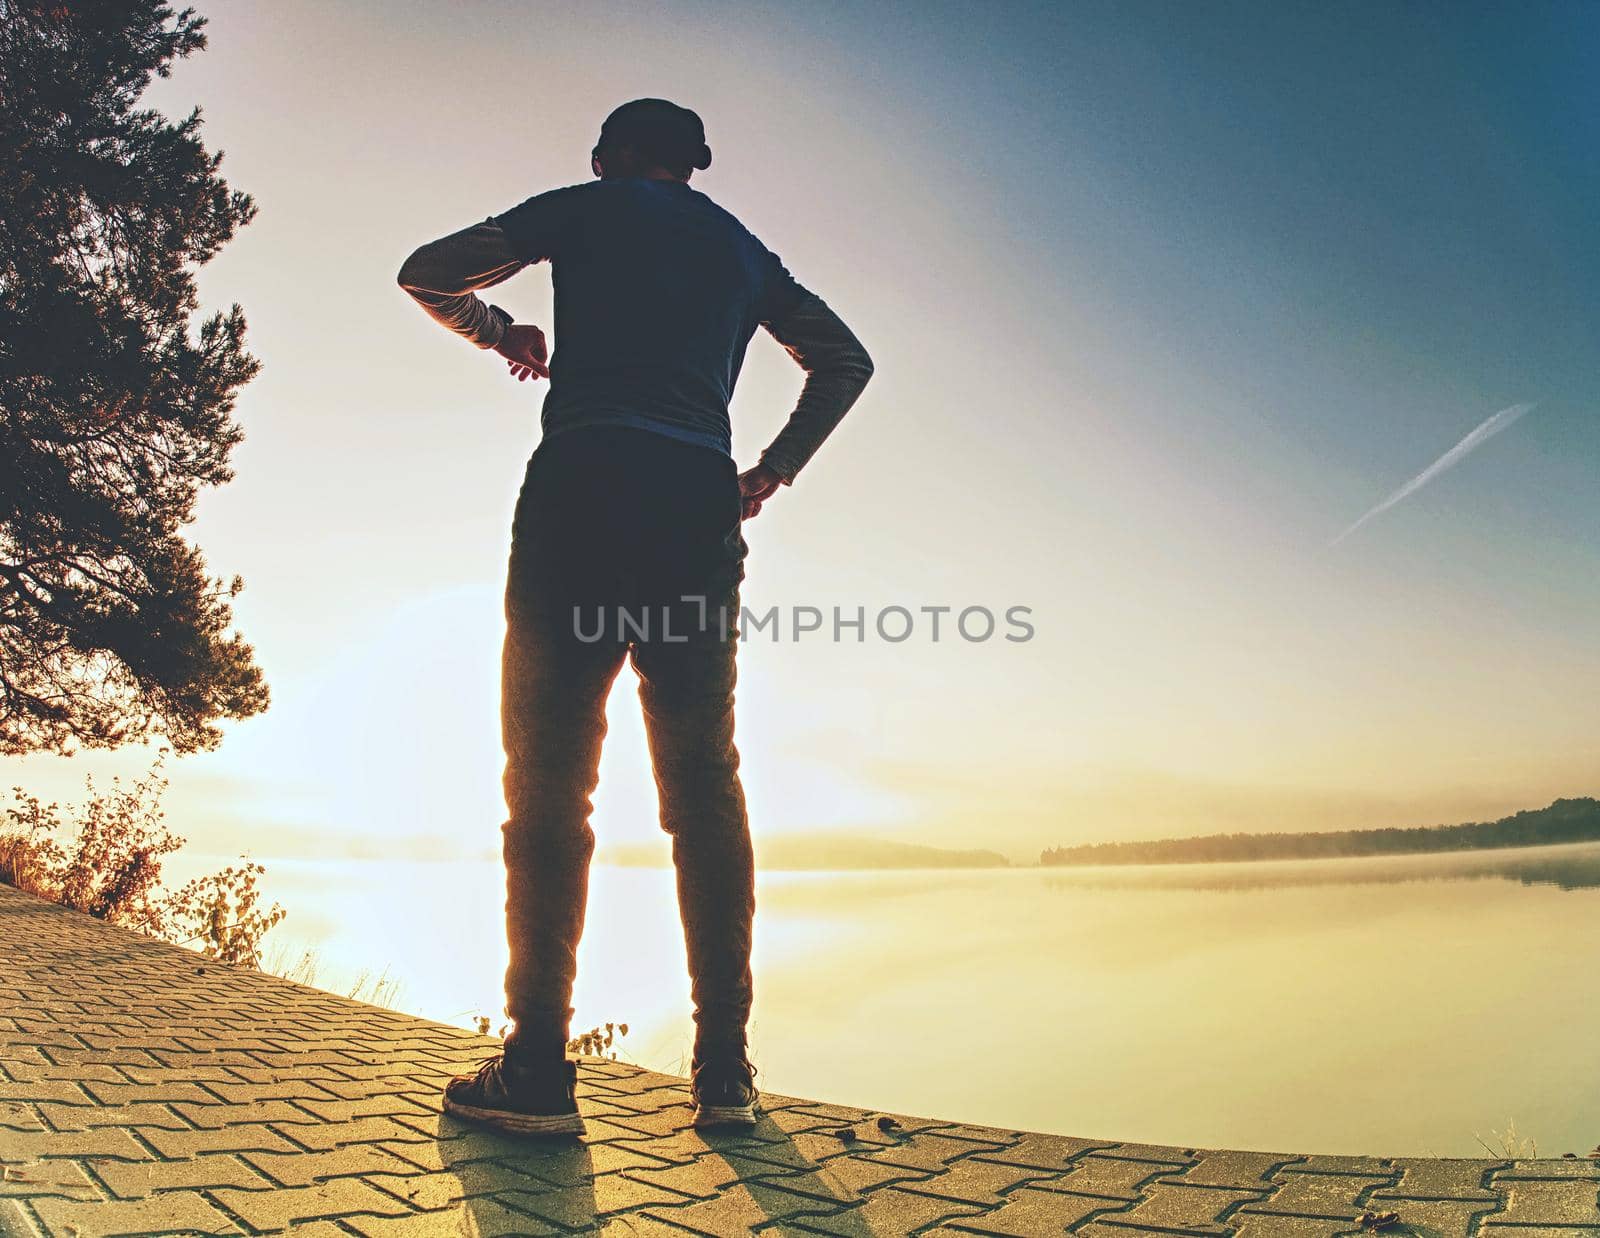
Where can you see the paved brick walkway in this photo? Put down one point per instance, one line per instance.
(144, 1090)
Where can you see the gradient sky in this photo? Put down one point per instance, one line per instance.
(1162, 298)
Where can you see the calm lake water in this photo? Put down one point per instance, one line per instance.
(1394, 1006)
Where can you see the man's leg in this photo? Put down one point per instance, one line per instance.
(687, 692)
(554, 685)
(553, 695)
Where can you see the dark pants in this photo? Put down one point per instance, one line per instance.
(625, 545)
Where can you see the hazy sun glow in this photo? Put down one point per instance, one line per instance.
(1134, 371)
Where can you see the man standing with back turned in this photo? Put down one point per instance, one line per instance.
(626, 545)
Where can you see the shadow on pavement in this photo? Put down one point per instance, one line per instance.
(512, 1184)
(787, 1186)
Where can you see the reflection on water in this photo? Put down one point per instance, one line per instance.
(1574, 866)
(1394, 1005)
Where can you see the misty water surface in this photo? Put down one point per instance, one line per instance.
(1393, 1005)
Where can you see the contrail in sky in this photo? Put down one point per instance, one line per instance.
(1482, 434)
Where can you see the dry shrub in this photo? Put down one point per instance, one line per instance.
(106, 859)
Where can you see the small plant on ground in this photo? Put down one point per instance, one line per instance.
(379, 990)
(105, 862)
(603, 1041)
(301, 970)
(1509, 1144)
(104, 859)
(223, 912)
(598, 1041)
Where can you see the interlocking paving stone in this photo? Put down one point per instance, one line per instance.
(1043, 1151)
(14, 1220)
(1539, 1231)
(848, 1224)
(122, 1093)
(1364, 1166)
(978, 1134)
(177, 1211)
(594, 1201)
(1245, 1170)
(144, 1091)
(1575, 1168)
(1551, 1202)
(244, 1137)
(735, 1212)
(858, 1137)
(1187, 1209)
(1336, 1196)
(137, 1179)
(480, 1219)
(1108, 1177)
(234, 1091)
(837, 1114)
(1149, 1152)
(55, 1177)
(323, 1136)
(904, 1124)
(20, 1118)
(106, 1141)
(458, 1145)
(88, 1117)
(977, 1182)
(894, 1211)
(850, 1176)
(672, 1119)
(650, 1100)
(1248, 1225)
(1429, 1216)
(1027, 1212)
(218, 1114)
(925, 1151)
(701, 1178)
(798, 1122)
(1442, 1179)
(599, 1158)
(818, 1146)
(618, 1192)
(335, 1110)
(286, 1206)
(208, 1075)
(59, 1090)
(440, 1190)
(304, 1168)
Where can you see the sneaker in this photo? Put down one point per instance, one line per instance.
(518, 1098)
(724, 1091)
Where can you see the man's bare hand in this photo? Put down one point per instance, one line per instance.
(756, 486)
(524, 349)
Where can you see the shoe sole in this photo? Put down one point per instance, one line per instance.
(725, 1115)
(519, 1123)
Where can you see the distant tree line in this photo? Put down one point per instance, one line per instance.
(1565, 821)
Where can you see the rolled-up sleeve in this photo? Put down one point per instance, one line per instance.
(444, 276)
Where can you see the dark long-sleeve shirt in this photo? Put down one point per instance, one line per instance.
(657, 293)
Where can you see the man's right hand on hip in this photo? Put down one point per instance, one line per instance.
(756, 486)
(524, 349)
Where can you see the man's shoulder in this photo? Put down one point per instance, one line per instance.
(538, 227)
(737, 226)
(561, 193)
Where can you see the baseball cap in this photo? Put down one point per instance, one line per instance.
(663, 131)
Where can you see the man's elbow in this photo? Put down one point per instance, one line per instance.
(857, 363)
(413, 276)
